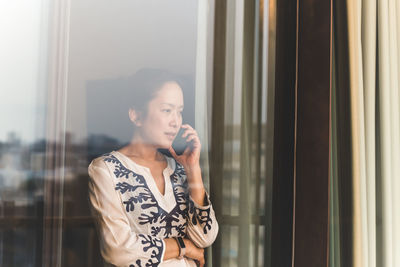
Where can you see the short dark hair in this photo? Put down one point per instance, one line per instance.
(140, 88)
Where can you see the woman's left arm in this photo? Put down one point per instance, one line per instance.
(195, 185)
(202, 223)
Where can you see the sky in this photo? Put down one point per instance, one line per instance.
(21, 110)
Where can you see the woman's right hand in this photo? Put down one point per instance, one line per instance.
(194, 252)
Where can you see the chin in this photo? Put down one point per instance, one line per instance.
(165, 145)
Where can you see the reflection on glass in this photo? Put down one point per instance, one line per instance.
(141, 35)
(22, 143)
(106, 43)
(150, 191)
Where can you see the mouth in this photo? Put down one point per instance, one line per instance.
(170, 135)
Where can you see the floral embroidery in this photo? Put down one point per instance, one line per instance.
(156, 247)
(163, 224)
(197, 215)
(154, 244)
(121, 171)
(138, 264)
(137, 197)
(201, 216)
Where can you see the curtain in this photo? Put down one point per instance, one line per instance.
(241, 140)
(372, 45)
(334, 230)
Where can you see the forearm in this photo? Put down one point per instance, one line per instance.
(195, 184)
(171, 249)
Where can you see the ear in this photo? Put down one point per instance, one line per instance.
(134, 116)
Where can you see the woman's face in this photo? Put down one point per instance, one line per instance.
(164, 116)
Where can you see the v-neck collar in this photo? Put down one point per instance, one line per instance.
(166, 201)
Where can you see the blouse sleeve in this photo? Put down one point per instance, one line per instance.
(120, 246)
(202, 224)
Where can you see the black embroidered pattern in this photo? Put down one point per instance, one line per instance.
(146, 200)
(121, 171)
(149, 242)
(166, 224)
(156, 245)
(201, 216)
(197, 215)
(138, 264)
(162, 224)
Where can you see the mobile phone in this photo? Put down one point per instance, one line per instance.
(179, 144)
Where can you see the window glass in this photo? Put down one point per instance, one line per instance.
(110, 44)
(22, 132)
(69, 67)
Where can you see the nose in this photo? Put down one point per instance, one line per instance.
(175, 120)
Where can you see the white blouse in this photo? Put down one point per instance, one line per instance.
(133, 217)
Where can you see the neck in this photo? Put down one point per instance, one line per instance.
(140, 149)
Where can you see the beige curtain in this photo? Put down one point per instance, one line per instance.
(373, 49)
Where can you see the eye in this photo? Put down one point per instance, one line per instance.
(166, 110)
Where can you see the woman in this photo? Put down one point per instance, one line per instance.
(151, 209)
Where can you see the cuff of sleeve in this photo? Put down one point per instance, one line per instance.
(207, 202)
(163, 251)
